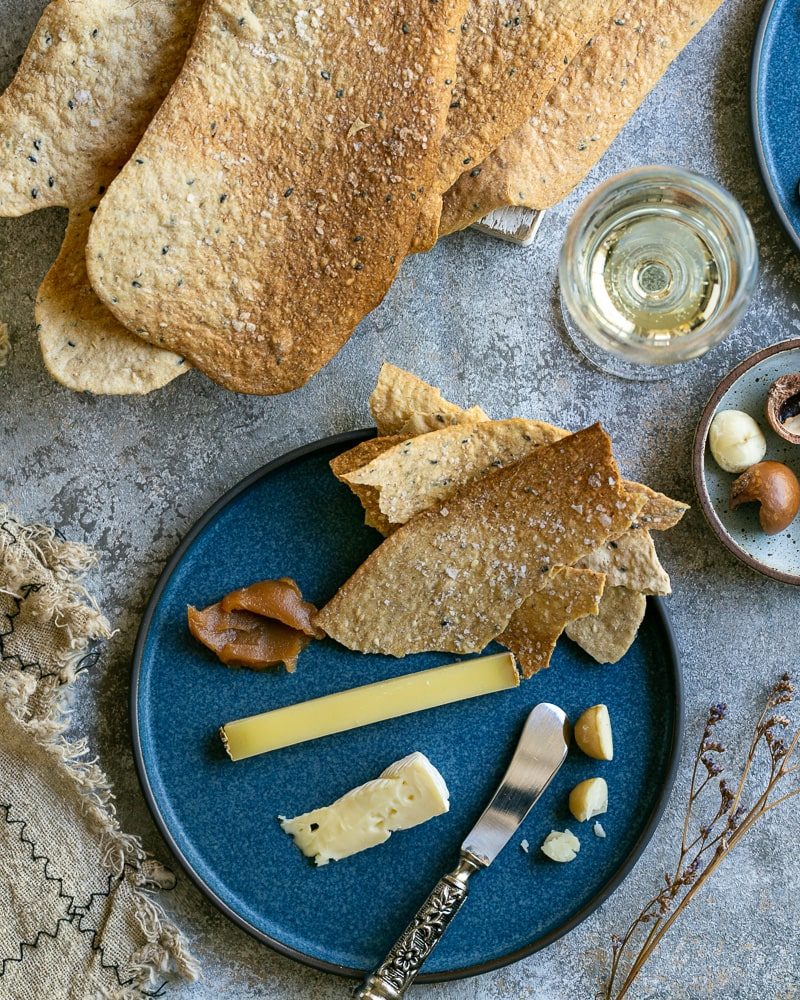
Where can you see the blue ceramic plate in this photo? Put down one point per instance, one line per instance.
(745, 388)
(294, 518)
(775, 108)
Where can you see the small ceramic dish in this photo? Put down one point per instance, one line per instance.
(745, 388)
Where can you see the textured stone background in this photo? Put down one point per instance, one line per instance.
(479, 319)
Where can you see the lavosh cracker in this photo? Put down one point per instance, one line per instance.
(402, 403)
(537, 624)
(451, 578)
(606, 81)
(90, 80)
(608, 635)
(275, 194)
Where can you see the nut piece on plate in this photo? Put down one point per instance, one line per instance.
(782, 408)
(593, 733)
(736, 440)
(560, 846)
(775, 487)
(589, 799)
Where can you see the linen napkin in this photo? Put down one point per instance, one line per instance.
(79, 917)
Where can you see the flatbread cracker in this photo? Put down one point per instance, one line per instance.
(451, 578)
(83, 346)
(660, 512)
(604, 84)
(510, 55)
(91, 78)
(536, 625)
(273, 197)
(352, 459)
(401, 398)
(630, 561)
(401, 403)
(402, 477)
(608, 636)
(421, 471)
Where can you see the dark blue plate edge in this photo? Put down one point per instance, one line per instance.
(755, 124)
(657, 603)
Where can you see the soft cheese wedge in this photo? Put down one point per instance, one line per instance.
(409, 792)
(361, 706)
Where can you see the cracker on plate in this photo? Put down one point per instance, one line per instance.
(362, 454)
(90, 79)
(603, 85)
(660, 512)
(421, 471)
(423, 486)
(404, 396)
(451, 578)
(537, 624)
(630, 561)
(273, 197)
(608, 635)
(401, 403)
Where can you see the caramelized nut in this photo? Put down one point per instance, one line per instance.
(782, 408)
(775, 487)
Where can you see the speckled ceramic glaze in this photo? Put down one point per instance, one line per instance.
(775, 108)
(294, 518)
(745, 388)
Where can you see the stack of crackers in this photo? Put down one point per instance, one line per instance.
(508, 530)
(244, 179)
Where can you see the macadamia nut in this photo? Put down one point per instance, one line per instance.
(593, 733)
(560, 846)
(588, 799)
(736, 440)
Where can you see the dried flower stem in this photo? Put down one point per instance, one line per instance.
(700, 855)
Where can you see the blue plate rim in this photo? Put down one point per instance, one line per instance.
(755, 122)
(354, 437)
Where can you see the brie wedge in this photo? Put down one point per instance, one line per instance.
(407, 793)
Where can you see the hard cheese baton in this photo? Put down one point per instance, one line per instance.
(361, 706)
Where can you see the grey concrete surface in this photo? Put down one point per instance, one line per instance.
(480, 319)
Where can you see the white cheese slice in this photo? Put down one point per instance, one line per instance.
(409, 792)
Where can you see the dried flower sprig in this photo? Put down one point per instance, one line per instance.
(702, 852)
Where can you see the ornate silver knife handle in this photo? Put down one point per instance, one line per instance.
(403, 963)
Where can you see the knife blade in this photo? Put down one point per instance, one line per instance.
(540, 752)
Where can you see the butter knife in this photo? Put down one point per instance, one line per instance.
(540, 752)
